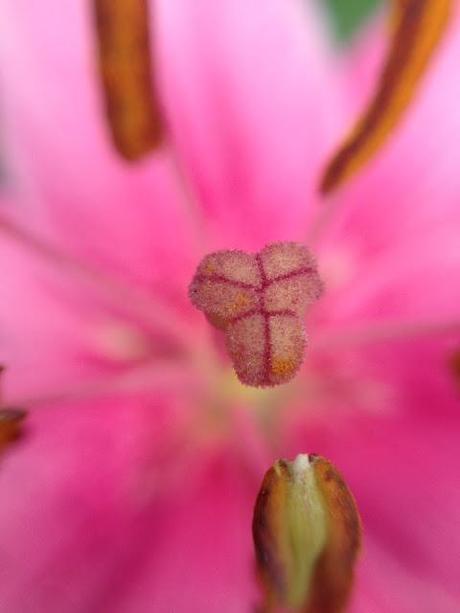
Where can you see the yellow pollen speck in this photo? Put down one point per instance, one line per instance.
(283, 366)
(241, 300)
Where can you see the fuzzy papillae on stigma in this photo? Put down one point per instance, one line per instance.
(259, 301)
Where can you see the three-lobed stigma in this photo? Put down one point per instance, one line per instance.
(259, 300)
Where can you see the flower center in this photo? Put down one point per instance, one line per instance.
(259, 300)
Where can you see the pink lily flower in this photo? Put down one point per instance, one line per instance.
(134, 486)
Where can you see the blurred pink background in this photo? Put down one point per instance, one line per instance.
(133, 487)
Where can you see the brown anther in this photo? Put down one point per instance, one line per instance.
(419, 27)
(307, 535)
(124, 45)
(11, 426)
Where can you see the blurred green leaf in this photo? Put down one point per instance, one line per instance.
(349, 15)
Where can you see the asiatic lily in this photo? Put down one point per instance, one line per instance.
(133, 487)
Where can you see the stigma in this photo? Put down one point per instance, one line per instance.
(258, 301)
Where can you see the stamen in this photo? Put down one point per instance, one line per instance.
(11, 421)
(191, 206)
(419, 27)
(307, 536)
(11, 426)
(454, 366)
(259, 301)
(125, 65)
(323, 218)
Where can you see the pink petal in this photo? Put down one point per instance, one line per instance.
(413, 280)
(101, 510)
(391, 256)
(412, 186)
(64, 332)
(42, 336)
(253, 102)
(68, 181)
(403, 474)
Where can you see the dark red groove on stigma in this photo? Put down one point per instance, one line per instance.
(267, 359)
(222, 279)
(241, 316)
(263, 312)
(290, 275)
(218, 278)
